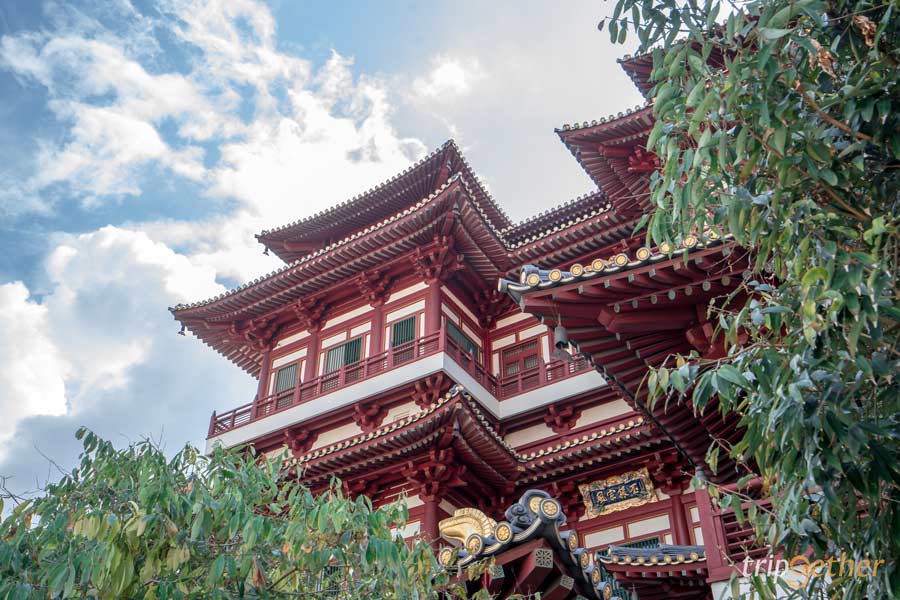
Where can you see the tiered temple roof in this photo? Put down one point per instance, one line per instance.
(578, 268)
(455, 430)
(628, 313)
(363, 236)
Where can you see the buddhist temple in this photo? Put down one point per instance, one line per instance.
(419, 345)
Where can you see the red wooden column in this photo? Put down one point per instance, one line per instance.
(430, 520)
(680, 533)
(432, 479)
(311, 314)
(713, 538)
(312, 354)
(433, 307)
(434, 265)
(374, 286)
(263, 374)
(376, 337)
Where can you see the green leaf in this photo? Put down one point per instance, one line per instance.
(779, 138)
(732, 375)
(829, 176)
(770, 34)
(216, 570)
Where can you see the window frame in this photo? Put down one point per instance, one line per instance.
(284, 396)
(505, 360)
(360, 340)
(413, 330)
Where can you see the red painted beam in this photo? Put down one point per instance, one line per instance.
(559, 589)
(493, 579)
(533, 570)
(647, 320)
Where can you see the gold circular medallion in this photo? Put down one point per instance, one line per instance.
(576, 270)
(595, 576)
(474, 544)
(585, 560)
(620, 259)
(690, 241)
(445, 556)
(555, 275)
(643, 253)
(534, 503)
(550, 508)
(503, 532)
(598, 264)
(573, 541)
(533, 279)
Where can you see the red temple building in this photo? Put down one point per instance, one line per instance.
(510, 419)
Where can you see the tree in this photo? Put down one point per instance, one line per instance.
(778, 123)
(133, 524)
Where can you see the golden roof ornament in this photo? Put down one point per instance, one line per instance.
(464, 522)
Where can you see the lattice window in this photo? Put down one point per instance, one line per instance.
(520, 358)
(345, 354)
(285, 381)
(403, 331)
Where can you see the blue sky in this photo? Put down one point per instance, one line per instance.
(142, 144)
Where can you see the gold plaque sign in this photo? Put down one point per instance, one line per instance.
(617, 493)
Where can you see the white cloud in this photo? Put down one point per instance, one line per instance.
(289, 140)
(32, 370)
(449, 78)
(101, 350)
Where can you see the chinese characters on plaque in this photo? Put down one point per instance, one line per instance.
(617, 493)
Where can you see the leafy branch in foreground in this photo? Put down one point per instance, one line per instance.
(778, 123)
(132, 523)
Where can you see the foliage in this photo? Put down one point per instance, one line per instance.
(133, 524)
(778, 123)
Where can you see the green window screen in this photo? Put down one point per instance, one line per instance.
(462, 339)
(345, 354)
(648, 543)
(403, 331)
(286, 378)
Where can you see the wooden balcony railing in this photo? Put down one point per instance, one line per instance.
(543, 374)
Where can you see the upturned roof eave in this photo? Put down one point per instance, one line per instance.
(370, 200)
(260, 288)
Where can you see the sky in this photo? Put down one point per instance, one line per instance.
(143, 144)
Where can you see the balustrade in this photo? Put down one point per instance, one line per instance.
(397, 356)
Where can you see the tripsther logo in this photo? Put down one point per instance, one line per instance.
(800, 569)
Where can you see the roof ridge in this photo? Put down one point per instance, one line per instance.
(604, 120)
(334, 208)
(461, 176)
(458, 391)
(324, 250)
